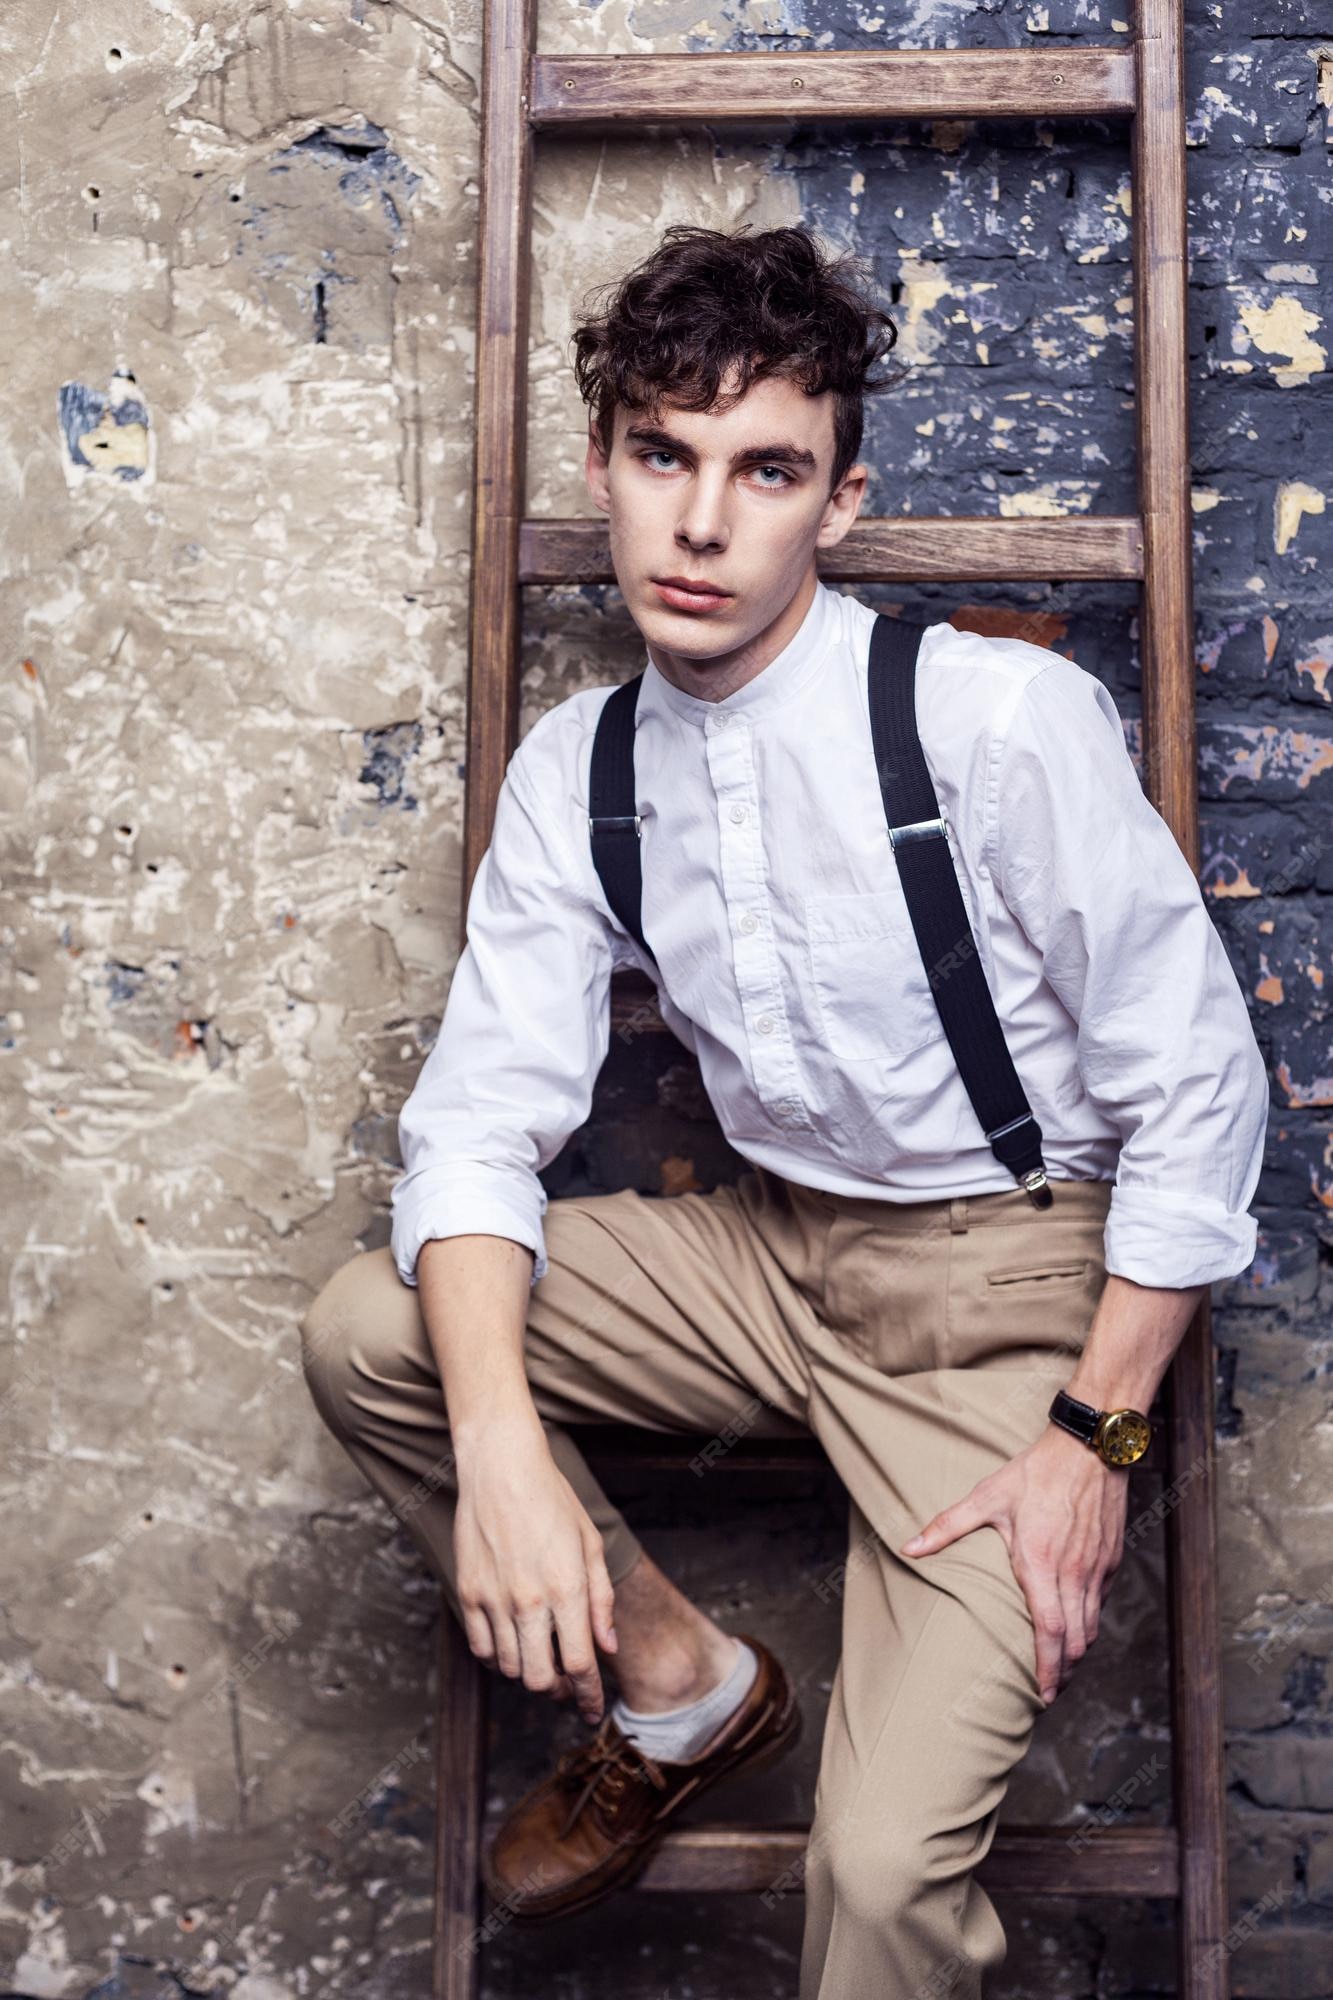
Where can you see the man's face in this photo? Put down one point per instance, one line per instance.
(715, 518)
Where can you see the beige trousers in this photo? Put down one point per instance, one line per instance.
(921, 1343)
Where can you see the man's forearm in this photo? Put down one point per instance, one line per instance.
(1134, 1334)
(474, 1292)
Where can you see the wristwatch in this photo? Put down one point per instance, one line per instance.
(1118, 1436)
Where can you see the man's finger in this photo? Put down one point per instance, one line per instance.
(946, 1527)
(480, 1638)
(601, 1596)
(574, 1635)
(1048, 1622)
(508, 1649)
(1071, 1587)
(536, 1634)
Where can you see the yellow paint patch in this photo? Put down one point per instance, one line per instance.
(1242, 886)
(1295, 499)
(924, 284)
(1047, 503)
(1203, 499)
(1324, 77)
(1270, 990)
(1286, 328)
(111, 445)
(1317, 667)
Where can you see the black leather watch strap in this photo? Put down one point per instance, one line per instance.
(1071, 1415)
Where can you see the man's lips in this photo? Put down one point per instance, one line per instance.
(690, 593)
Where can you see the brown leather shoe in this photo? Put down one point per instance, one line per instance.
(593, 1824)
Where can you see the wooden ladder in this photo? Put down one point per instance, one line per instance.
(1140, 80)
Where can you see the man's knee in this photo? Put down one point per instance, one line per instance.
(869, 1861)
(339, 1330)
(899, 1869)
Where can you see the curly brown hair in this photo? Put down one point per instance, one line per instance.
(710, 301)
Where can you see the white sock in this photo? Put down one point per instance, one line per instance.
(675, 1734)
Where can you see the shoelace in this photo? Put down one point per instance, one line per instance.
(608, 1760)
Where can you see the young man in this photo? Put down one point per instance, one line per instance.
(878, 1275)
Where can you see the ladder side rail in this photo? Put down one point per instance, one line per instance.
(1166, 651)
(494, 634)
(503, 244)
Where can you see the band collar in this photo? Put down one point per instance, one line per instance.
(789, 670)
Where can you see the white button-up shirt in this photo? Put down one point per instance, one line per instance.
(787, 962)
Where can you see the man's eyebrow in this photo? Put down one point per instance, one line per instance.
(755, 454)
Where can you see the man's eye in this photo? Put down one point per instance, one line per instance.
(653, 457)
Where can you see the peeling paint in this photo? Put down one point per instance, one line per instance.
(1286, 327)
(1295, 498)
(106, 436)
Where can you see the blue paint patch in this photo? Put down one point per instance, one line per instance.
(124, 982)
(82, 410)
(388, 752)
(393, 1811)
(369, 168)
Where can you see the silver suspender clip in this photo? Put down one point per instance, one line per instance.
(919, 829)
(1035, 1177)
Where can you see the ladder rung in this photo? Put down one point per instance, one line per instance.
(1036, 1860)
(934, 548)
(833, 84)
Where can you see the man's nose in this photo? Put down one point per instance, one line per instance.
(703, 519)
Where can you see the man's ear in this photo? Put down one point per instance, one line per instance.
(842, 507)
(595, 471)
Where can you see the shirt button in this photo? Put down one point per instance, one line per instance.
(765, 1024)
(749, 922)
(722, 720)
(738, 814)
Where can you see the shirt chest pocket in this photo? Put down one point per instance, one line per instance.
(871, 992)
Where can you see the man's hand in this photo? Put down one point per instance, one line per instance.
(1061, 1510)
(530, 1567)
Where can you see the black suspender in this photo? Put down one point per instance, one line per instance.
(613, 823)
(917, 834)
(939, 915)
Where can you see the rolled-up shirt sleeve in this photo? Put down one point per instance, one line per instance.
(1166, 1048)
(525, 1031)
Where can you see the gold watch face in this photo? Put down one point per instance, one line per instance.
(1122, 1436)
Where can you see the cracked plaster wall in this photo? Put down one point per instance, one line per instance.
(238, 255)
